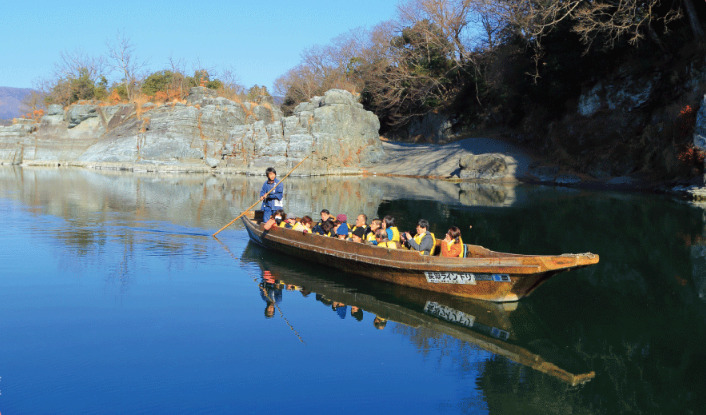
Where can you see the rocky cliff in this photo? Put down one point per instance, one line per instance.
(207, 133)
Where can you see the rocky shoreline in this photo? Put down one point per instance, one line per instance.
(208, 134)
(204, 134)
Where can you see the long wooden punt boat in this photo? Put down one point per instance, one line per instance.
(483, 274)
(505, 329)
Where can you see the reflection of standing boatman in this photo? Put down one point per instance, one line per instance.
(272, 201)
(271, 293)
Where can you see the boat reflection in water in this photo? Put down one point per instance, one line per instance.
(504, 329)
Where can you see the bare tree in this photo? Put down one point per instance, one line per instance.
(451, 19)
(75, 77)
(615, 19)
(231, 87)
(178, 69)
(121, 54)
(299, 84)
(71, 64)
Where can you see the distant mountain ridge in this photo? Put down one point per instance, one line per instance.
(11, 101)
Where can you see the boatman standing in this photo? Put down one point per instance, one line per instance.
(272, 201)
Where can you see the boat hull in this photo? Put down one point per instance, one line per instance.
(491, 276)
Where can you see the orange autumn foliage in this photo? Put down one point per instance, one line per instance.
(160, 97)
(35, 115)
(686, 121)
(114, 97)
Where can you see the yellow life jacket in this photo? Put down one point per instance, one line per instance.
(355, 227)
(418, 240)
(283, 224)
(370, 237)
(463, 248)
(388, 244)
(395, 234)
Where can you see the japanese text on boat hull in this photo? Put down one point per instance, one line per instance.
(463, 277)
(449, 314)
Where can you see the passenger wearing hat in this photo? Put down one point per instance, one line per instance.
(342, 229)
(357, 235)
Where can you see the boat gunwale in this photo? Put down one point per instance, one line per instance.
(511, 263)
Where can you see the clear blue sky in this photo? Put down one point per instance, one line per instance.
(258, 40)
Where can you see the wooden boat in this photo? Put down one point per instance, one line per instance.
(504, 329)
(483, 274)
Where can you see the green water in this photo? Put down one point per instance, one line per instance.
(114, 298)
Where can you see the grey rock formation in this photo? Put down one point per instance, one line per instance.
(207, 133)
(432, 127)
(491, 166)
(76, 114)
(55, 109)
(631, 94)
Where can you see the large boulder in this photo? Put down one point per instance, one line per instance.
(76, 114)
(490, 166)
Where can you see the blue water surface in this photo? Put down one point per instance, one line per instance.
(115, 299)
(118, 316)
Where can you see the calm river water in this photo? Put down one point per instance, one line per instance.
(115, 299)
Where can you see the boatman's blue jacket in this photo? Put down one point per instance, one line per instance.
(273, 201)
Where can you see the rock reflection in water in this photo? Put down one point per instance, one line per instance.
(209, 201)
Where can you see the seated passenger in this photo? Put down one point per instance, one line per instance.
(342, 229)
(452, 245)
(325, 215)
(361, 222)
(304, 225)
(281, 218)
(357, 235)
(423, 241)
(308, 223)
(290, 221)
(275, 220)
(327, 228)
(388, 223)
(382, 241)
(370, 235)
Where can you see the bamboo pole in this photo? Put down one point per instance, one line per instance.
(260, 200)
